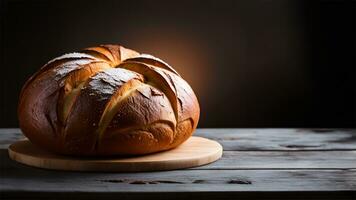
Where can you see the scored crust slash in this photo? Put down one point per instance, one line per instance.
(107, 100)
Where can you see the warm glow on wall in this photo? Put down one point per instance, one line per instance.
(182, 50)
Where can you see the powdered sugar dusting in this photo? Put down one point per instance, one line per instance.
(62, 70)
(105, 83)
(71, 55)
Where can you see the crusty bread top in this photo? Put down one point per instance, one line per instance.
(99, 87)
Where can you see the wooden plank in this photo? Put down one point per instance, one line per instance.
(282, 139)
(16, 177)
(269, 163)
(33, 180)
(285, 160)
(275, 160)
(206, 195)
(256, 139)
(271, 160)
(340, 195)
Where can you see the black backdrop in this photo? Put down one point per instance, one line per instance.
(251, 63)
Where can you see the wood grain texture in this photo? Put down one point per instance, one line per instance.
(256, 164)
(178, 181)
(16, 177)
(36, 180)
(196, 151)
(282, 139)
(285, 160)
(255, 139)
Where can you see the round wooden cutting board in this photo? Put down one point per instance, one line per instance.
(194, 152)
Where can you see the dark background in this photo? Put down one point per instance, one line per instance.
(251, 63)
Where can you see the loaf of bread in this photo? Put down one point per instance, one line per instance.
(107, 100)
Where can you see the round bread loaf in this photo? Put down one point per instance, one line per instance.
(107, 100)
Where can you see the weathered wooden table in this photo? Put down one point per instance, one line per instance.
(256, 164)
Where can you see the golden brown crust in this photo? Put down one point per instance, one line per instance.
(107, 100)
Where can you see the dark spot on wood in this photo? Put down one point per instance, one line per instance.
(300, 146)
(350, 139)
(199, 181)
(153, 182)
(113, 181)
(298, 174)
(170, 182)
(316, 130)
(322, 130)
(239, 181)
(139, 182)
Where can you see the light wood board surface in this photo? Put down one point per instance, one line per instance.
(196, 151)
